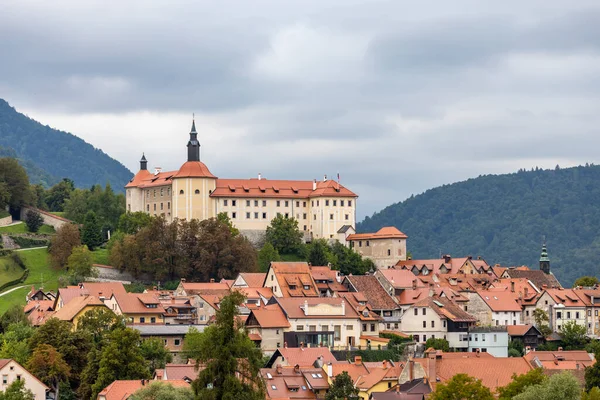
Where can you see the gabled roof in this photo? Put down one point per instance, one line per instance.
(138, 178)
(121, 390)
(400, 278)
(387, 232)
(181, 372)
(296, 274)
(538, 277)
(376, 295)
(446, 309)
(75, 306)
(287, 383)
(521, 330)
(566, 297)
(571, 359)
(304, 357)
(138, 303)
(500, 300)
(253, 279)
(266, 188)
(270, 316)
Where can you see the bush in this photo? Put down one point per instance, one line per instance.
(18, 260)
(26, 242)
(33, 220)
(514, 353)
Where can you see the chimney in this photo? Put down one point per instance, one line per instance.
(279, 369)
(302, 346)
(411, 369)
(329, 370)
(512, 286)
(157, 170)
(154, 287)
(285, 345)
(357, 360)
(431, 367)
(560, 349)
(526, 291)
(409, 258)
(414, 284)
(385, 364)
(305, 307)
(212, 280)
(296, 369)
(259, 176)
(315, 184)
(447, 258)
(325, 178)
(343, 307)
(143, 383)
(477, 353)
(479, 257)
(182, 280)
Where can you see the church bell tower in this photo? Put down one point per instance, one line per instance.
(193, 144)
(544, 260)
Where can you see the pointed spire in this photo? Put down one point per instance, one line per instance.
(143, 157)
(143, 163)
(544, 255)
(193, 126)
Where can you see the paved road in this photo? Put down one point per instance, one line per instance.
(31, 248)
(14, 223)
(11, 290)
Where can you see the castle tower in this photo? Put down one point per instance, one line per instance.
(193, 144)
(143, 163)
(544, 260)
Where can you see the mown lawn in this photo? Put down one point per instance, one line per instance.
(39, 269)
(100, 256)
(9, 270)
(22, 228)
(16, 297)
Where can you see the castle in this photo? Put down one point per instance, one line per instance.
(324, 209)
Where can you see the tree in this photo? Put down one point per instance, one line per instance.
(586, 281)
(521, 382)
(557, 387)
(131, 222)
(438, 344)
(541, 322)
(79, 265)
(14, 184)
(33, 220)
(593, 394)
(342, 388)
(58, 194)
(461, 387)
(284, 234)
(224, 218)
(163, 391)
(13, 315)
(92, 231)
(232, 361)
(62, 244)
(48, 365)
(17, 391)
(517, 346)
(347, 261)
(121, 358)
(14, 343)
(155, 352)
(319, 252)
(573, 335)
(266, 255)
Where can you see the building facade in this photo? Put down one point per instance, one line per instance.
(322, 208)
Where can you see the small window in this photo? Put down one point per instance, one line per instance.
(341, 203)
(287, 203)
(154, 206)
(264, 203)
(326, 202)
(264, 215)
(389, 252)
(247, 215)
(424, 324)
(225, 203)
(346, 217)
(181, 191)
(233, 203)
(255, 215)
(169, 206)
(304, 216)
(287, 215)
(177, 342)
(148, 207)
(297, 204)
(331, 216)
(278, 203)
(153, 320)
(161, 206)
(255, 203)
(424, 311)
(247, 203)
(317, 203)
(368, 243)
(233, 214)
(299, 327)
(303, 204)
(433, 324)
(142, 320)
(372, 327)
(197, 191)
(154, 193)
(335, 203)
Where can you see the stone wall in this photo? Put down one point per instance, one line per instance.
(49, 219)
(256, 237)
(108, 273)
(6, 221)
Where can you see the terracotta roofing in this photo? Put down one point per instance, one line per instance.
(520, 330)
(203, 287)
(253, 279)
(538, 277)
(75, 306)
(139, 303)
(376, 295)
(376, 375)
(4, 361)
(560, 359)
(500, 300)
(121, 390)
(446, 309)
(566, 297)
(393, 395)
(491, 371)
(359, 302)
(387, 232)
(194, 169)
(327, 278)
(293, 277)
(270, 316)
(138, 178)
(304, 357)
(290, 383)
(354, 369)
(265, 188)
(293, 307)
(412, 296)
(444, 265)
(400, 278)
(181, 371)
(586, 295)
(105, 289)
(498, 271)
(256, 292)
(38, 310)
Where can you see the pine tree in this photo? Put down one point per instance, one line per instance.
(92, 231)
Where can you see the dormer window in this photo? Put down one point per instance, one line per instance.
(306, 287)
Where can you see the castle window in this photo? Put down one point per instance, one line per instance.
(255, 215)
(197, 191)
(304, 216)
(154, 192)
(247, 215)
(181, 192)
(346, 217)
(233, 214)
(233, 203)
(331, 216)
(154, 207)
(297, 204)
(335, 203)
(326, 202)
(317, 203)
(225, 203)
(303, 204)
(255, 203)
(368, 244)
(161, 206)
(168, 205)
(148, 207)
(312, 203)
(304, 227)
(247, 203)
(264, 203)
(168, 191)
(278, 203)
(287, 203)
(264, 215)
(389, 252)
(341, 203)
(161, 191)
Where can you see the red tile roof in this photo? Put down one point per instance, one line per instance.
(500, 300)
(294, 274)
(518, 330)
(194, 169)
(265, 188)
(401, 278)
(181, 371)
(138, 178)
(567, 297)
(136, 303)
(387, 232)
(121, 390)
(270, 316)
(305, 357)
(75, 306)
(253, 279)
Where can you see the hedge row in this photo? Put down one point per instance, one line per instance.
(15, 281)
(27, 242)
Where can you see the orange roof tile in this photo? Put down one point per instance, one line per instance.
(500, 300)
(270, 316)
(194, 169)
(254, 279)
(138, 178)
(387, 232)
(567, 297)
(75, 306)
(401, 278)
(446, 309)
(518, 330)
(265, 188)
(295, 274)
(181, 371)
(305, 357)
(120, 390)
(137, 303)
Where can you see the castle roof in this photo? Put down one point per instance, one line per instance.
(387, 232)
(194, 169)
(279, 189)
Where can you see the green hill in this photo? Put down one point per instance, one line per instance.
(504, 219)
(48, 155)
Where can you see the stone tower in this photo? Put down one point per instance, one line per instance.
(193, 144)
(544, 260)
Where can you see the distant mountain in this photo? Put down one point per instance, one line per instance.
(504, 219)
(49, 155)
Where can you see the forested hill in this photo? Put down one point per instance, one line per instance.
(504, 218)
(49, 155)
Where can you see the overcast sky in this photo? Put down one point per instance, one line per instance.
(398, 96)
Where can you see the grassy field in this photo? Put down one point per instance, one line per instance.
(22, 228)
(100, 256)
(9, 270)
(16, 297)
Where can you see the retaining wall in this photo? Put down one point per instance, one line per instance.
(6, 221)
(49, 219)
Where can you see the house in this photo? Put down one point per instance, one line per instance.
(528, 334)
(328, 281)
(291, 279)
(122, 390)
(369, 320)
(591, 299)
(266, 325)
(320, 321)
(38, 310)
(379, 379)
(305, 357)
(562, 306)
(190, 288)
(100, 290)
(138, 308)
(173, 336)
(76, 308)
(180, 310)
(539, 278)
(294, 383)
(40, 295)
(249, 280)
(445, 265)
(10, 370)
(492, 372)
(574, 361)
(494, 307)
(378, 299)
(384, 247)
(185, 372)
(489, 339)
(438, 317)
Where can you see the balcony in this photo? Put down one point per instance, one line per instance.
(185, 316)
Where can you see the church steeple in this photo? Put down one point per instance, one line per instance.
(544, 260)
(143, 163)
(193, 144)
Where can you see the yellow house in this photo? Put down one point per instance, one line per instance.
(138, 308)
(76, 308)
(379, 379)
(374, 341)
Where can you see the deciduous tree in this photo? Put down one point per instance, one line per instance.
(461, 387)
(319, 253)
(79, 265)
(285, 236)
(573, 335)
(266, 255)
(17, 391)
(14, 189)
(342, 388)
(48, 365)
(586, 281)
(155, 352)
(557, 387)
(541, 321)
(62, 244)
(521, 382)
(163, 391)
(131, 222)
(438, 344)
